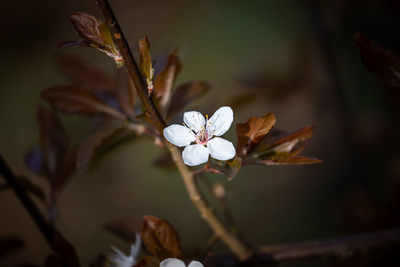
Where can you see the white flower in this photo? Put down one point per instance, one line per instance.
(119, 259)
(202, 130)
(172, 262)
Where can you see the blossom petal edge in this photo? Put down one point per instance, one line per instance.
(195, 155)
(221, 149)
(179, 135)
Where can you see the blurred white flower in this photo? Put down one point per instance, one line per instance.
(118, 259)
(202, 131)
(172, 262)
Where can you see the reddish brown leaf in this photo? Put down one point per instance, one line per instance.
(96, 33)
(65, 171)
(64, 253)
(284, 143)
(186, 93)
(160, 238)
(297, 160)
(88, 27)
(383, 63)
(53, 141)
(228, 168)
(84, 74)
(146, 65)
(166, 78)
(126, 92)
(251, 132)
(71, 99)
(87, 148)
(125, 228)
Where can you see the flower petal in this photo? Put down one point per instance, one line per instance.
(195, 154)
(135, 248)
(194, 120)
(172, 262)
(220, 122)
(179, 135)
(221, 149)
(195, 264)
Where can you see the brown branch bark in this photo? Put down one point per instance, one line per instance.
(234, 244)
(45, 228)
(340, 247)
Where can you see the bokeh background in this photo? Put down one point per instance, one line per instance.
(296, 57)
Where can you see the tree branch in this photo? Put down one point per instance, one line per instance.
(45, 228)
(206, 212)
(340, 247)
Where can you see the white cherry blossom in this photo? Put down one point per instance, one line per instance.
(204, 133)
(172, 262)
(118, 259)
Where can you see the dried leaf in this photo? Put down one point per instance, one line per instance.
(146, 65)
(160, 238)
(297, 160)
(228, 168)
(84, 74)
(87, 148)
(186, 93)
(73, 100)
(166, 78)
(53, 141)
(383, 63)
(251, 132)
(125, 228)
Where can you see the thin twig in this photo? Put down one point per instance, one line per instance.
(44, 227)
(206, 212)
(341, 247)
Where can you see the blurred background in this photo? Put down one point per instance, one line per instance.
(297, 59)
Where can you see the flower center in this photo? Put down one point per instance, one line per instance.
(202, 137)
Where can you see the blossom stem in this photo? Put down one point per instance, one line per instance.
(234, 244)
